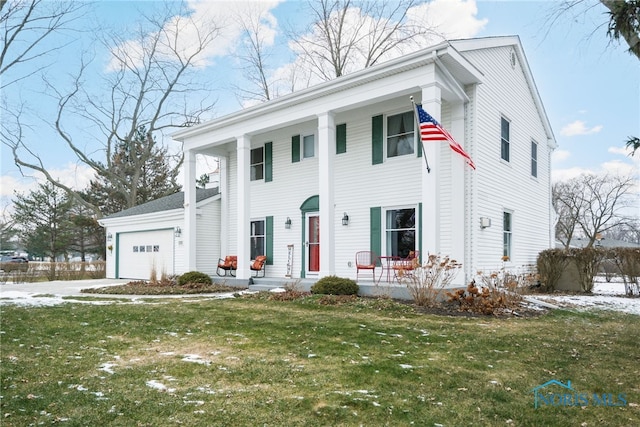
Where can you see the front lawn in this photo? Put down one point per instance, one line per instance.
(253, 361)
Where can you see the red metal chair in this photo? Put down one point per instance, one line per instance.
(366, 260)
(406, 266)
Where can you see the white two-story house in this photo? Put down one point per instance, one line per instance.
(313, 177)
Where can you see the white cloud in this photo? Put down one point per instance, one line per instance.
(626, 167)
(72, 175)
(223, 17)
(559, 156)
(449, 19)
(566, 174)
(579, 127)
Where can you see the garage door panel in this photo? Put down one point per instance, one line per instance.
(141, 252)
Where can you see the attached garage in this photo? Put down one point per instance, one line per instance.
(140, 253)
(148, 238)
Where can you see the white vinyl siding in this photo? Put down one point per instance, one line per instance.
(505, 93)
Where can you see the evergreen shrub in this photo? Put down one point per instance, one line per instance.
(334, 285)
(194, 277)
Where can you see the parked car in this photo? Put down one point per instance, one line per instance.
(14, 263)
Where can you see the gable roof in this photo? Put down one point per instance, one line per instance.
(167, 203)
(463, 45)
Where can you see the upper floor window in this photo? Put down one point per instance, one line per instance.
(400, 134)
(504, 139)
(534, 159)
(308, 146)
(257, 164)
(400, 230)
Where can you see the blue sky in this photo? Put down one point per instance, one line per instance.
(590, 86)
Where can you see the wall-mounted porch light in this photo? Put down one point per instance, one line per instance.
(287, 223)
(485, 222)
(177, 232)
(345, 219)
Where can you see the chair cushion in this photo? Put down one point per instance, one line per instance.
(230, 262)
(258, 262)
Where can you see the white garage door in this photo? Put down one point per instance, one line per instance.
(143, 251)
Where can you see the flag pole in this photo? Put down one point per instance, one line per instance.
(424, 153)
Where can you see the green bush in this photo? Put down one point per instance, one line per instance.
(194, 277)
(334, 285)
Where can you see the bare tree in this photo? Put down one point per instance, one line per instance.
(349, 35)
(25, 26)
(568, 208)
(628, 231)
(254, 55)
(592, 205)
(149, 85)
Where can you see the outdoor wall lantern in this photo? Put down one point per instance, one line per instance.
(109, 237)
(485, 222)
(345, 219)
(177, 232)
(287, 223)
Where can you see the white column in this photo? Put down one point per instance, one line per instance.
(223, 189)
(243, 155)
(458, 167)
(189, 234)
(432, 104)
(326, 153)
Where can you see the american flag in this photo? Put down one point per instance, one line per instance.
(430, 130)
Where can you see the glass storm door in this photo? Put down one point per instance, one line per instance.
(313, 243)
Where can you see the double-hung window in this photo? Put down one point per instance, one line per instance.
(400, 230)
(505, 136)
(257, 164)
(507, 233)
(400, 134)
(534, 159)
(308, 146)
(258, 235)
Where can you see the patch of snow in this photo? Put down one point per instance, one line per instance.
(159, 386)
(194, 358)
(605, 296)
(107, 367)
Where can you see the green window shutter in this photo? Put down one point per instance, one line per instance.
(420, 230)
(375, 225)
(295, 148)
(268, 162)
(419, 142)
(268, 224)
(377, 140)
(341, 138)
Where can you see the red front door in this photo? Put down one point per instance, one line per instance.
(313, 243)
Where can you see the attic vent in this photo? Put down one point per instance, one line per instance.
(513, 58)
